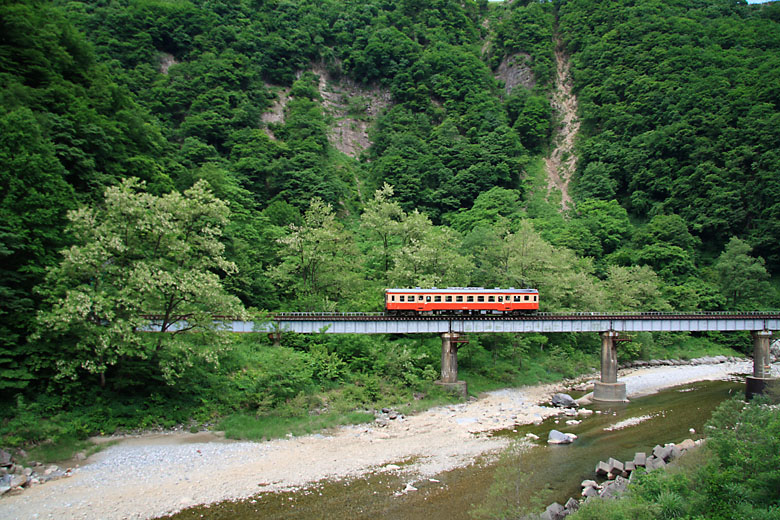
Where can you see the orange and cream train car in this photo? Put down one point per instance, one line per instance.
(461, 300)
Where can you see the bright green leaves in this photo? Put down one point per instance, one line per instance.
(319, 263)
(139, 254)
(742, 278)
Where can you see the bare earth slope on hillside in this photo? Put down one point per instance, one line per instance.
(562, 161)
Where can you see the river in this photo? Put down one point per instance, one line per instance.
(520, 478)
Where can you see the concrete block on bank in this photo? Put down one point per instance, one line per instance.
(572, 505)
(602, 469)
(640, 459)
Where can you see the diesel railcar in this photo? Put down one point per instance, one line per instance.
(461, 300)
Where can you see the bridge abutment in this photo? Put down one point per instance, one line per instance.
(608, 389)
(449, 365)
(761, 379)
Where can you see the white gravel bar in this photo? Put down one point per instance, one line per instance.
(154, 475)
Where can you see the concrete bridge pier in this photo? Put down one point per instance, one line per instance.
(449, 364)
(608, 389)
(761, 379)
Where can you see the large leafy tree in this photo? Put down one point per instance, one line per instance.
(138, 254)
(319, 262)
(743, 279)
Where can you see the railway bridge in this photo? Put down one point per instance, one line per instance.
(451, 328)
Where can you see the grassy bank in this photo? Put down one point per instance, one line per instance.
(311, 383)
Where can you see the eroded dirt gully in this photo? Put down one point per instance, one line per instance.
(561, 163)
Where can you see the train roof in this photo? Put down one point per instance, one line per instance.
(496, 290)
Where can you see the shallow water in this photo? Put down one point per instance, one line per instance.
(539, 475)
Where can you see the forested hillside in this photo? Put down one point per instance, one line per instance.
(235, 156)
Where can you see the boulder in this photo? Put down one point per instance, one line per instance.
(590, 492)
(556, 437)
(687, 444)
(676, 452)
(555, 511)
(5, 459)
(662, 452)
(571, 505)
(564, 401)
(629, 466)
(589, 483)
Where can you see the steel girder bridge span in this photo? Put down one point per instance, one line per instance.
(609, 326)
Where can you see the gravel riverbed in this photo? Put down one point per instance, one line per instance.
(156, 474)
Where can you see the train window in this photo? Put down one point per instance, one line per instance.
(401, 298)
(517, 297)
(428, 299)
(491, 298)
(500, 298)
(469, 298)
(437, 298)
(534, 298)
(448, 298)
(480, 298)
(392, 298)
(459, 298)
(525, 297)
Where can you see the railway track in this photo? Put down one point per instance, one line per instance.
(542, 316)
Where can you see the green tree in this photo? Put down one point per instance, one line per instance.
(137, 254)
(742, 278)
(430, 256)
(383, 218)
(635, 288)
(319, 262)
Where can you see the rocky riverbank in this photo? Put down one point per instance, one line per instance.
(153, 475)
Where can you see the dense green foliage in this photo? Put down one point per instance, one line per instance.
(675, 189)
(734, 476)
(679, 104)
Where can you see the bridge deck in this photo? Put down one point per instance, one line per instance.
(378, 323)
